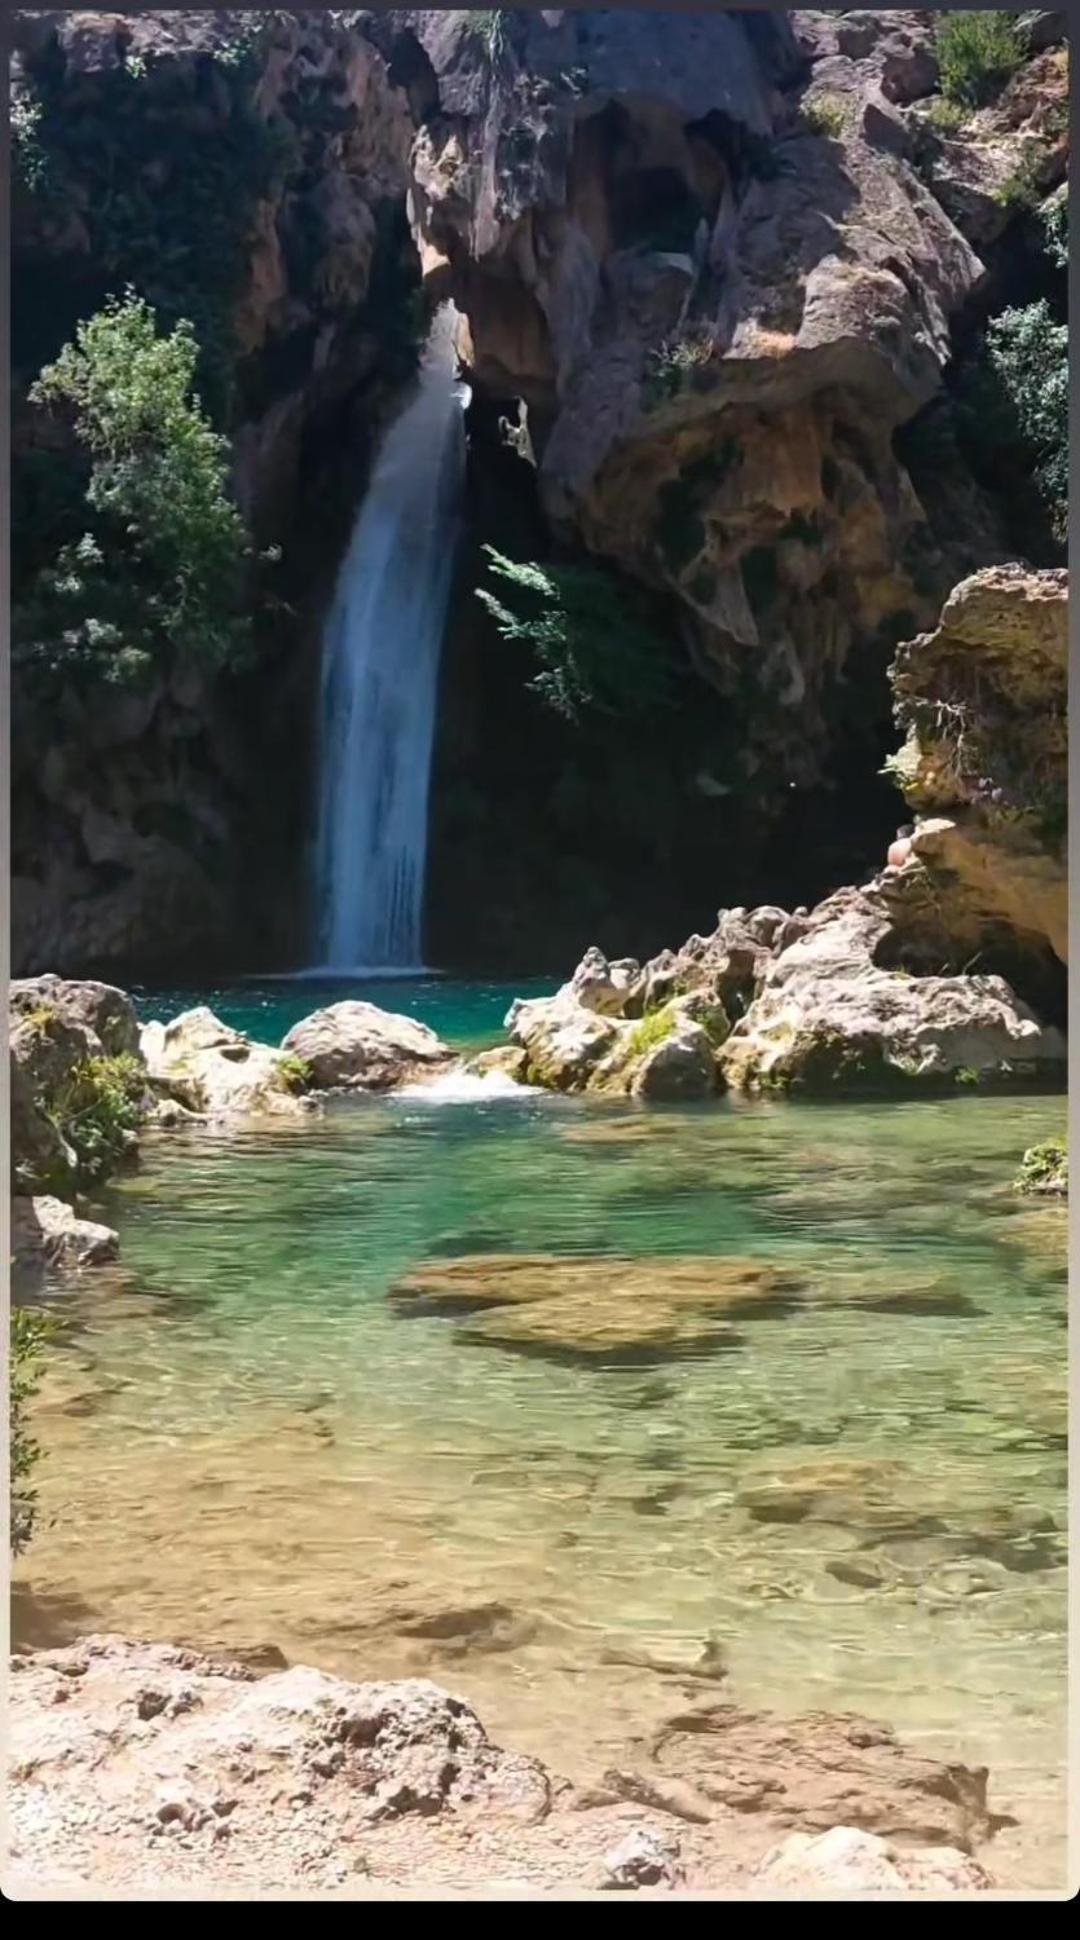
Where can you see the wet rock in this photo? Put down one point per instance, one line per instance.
(46, 1231)
(643, 1858)
(359, 1046)
(848, 1860)
(602, 1307)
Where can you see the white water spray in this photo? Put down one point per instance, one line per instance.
(381, 650)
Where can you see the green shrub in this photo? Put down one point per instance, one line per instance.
(652, 1029)
(97, 1109)
(1044, 1168)
(977, 52)
(28, 1335)
(673, 364)
(161, 566)
(948, 117)
(1030, 354)
(827, 114)
(1020, 189)
(592, 633)
(1054, 216)
(295, 1072)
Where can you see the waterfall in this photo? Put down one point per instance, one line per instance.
(380, 666)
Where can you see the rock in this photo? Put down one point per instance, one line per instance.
(828, 1017)
(602, 986)
(217, 1073)
(359, 1046)
(848, 1860)
(508, 1060)
(40, 1155)
(819, 1771)
(983, 701)
(46, 1231)
(141, 1719)
(643, 1858)
(576, 1307)
(563, 1040)
(100, 1008)
(1044, 1169)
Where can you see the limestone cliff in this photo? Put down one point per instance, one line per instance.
(719, 263)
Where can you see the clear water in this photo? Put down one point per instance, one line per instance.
(248, 1442)
(381, 649)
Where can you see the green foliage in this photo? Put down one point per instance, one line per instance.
(97, 1108)
(30, 160)
(591, 633)
(295, 1072)
(29, 1333)
(165, 211)
(1044, 1168)
(652, 1029)
(1054, 216)
(977, 52)
(674, 364)
(1020, 189)
(947, 117)
(160, 569)
(1029, 352)
(967, 1077)
(826, 114)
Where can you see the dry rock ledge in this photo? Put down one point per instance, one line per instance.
(137, 1765)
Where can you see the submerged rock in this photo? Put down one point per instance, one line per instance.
(218, 1073)
(1044, 1170)
(601, 1307)
(361, 1047)
(848, 1860)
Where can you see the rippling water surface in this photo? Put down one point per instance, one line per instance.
(853, 1494)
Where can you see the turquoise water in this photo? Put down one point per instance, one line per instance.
(464, 1014)
(853, 1489)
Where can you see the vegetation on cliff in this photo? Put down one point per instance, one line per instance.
(597, 644)
(160, 566)
(977, 52)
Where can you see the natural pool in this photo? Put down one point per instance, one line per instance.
(856, 1496)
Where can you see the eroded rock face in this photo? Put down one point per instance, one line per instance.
(218, 1073)
(700, 257)
(360, 1047)
(983, 701)
(57, 1026)
(828, 1016)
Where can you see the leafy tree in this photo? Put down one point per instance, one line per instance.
(591, 633)
(1030, 354)
(160, 569)
(977, 51)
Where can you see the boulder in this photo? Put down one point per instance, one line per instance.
(45, 1231)
(99, 1008)
(360, 1047)
(828, 1017)
(216, 1072)
(848, 1860)
(646, 1857)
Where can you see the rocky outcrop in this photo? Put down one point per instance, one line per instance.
(357, 1046)
(219, 1073)
(148, 1765)
(829, 1016)
(983, 701)
(61, 1033)
(718, 289)
(985, 164)
(570, 1045)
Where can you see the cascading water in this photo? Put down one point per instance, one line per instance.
(381, 650)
